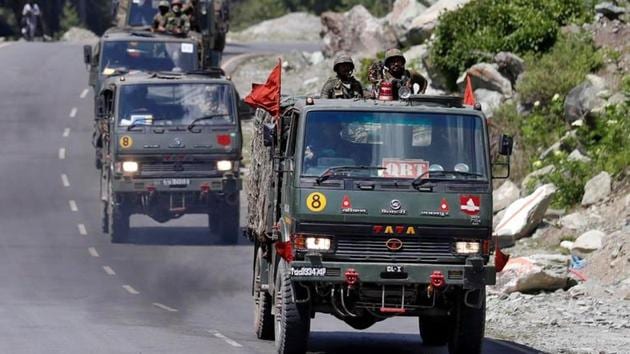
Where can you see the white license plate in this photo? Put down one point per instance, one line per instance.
(308, 272)
(176, 182)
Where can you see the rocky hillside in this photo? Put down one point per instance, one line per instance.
(553, 74)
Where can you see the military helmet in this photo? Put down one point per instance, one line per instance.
(176, 2)
(394, 53)
(163, 3)
(342, 59)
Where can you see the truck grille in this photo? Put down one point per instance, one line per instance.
(148, 169)
(374, 249)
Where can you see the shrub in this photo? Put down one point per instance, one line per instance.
(558, 71)
(483, 27)
(69, 18)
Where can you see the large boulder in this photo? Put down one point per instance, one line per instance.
(297, 26)
(523, 216)
(79, 35)
(487, 76)
(356, 32)
(422, 26)
(510, 65)
(534, 273)
(536, 174)
(597, 188)
(609, 10)
(504, 196)
(574, 221)
(489, 101)
(588, 242)
(402, 15)
(585, 98)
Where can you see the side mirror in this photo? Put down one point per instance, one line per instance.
(87, 54)
(506, 145)
(269, 134)
(245, 111)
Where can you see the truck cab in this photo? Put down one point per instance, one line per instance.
(171, 146)
(380, 209)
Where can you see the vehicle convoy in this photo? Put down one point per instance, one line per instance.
(119, 51)
(171, 146)
(211, 21)
(369, 210)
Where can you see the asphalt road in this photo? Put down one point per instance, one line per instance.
(65, 289)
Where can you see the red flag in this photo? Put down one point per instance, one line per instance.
(267, 96)
(500, 258)
(469, 95)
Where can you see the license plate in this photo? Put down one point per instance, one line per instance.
(394, 269)
(308, 272)
(176, 182)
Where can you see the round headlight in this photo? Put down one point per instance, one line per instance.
(224, 165)
(130, 166)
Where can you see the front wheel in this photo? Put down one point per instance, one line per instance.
(224, 220)
(263, 319)
(435, 330)
(293, 320)
(119, 218)
(469, 325)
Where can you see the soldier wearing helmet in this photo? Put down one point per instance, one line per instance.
(176, 21)
(343, 85)
(393, 70)
(159, 20)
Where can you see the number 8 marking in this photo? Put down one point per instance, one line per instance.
(316, 202)
(125, 141)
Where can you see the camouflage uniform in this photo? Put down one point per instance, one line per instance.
(159, 20)
(177, 23)
(336, 87)
(379, 72)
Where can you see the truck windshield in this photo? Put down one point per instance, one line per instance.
(405, 145)
(142, 12)
(175, 104)
(148, 56)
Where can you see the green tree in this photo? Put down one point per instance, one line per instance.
(69, 18)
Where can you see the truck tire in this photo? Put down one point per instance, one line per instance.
(119, 221)
(468, 326)
(292, 320)
(224, 222)
(263, 319)
(435, 330)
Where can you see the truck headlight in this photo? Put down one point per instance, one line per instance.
(466, 247)
(312, 242)
(130, 167)
(224, 165)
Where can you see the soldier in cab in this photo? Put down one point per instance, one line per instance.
(343, 84)
(159, 20)
(393, 71)
(176, 21)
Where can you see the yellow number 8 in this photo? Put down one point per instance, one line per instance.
(126, 141)
(316, 202)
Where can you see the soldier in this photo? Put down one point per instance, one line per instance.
(176, 21)
(344, 85)
(393, 70)
(189, 10)
(159, 20)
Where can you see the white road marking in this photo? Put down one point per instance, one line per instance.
(109, 270)
(82, 229)
(226, 339)
(73, 112)
(64, 180)
(66, 132)
(73, 205)
(84, 93)
(93, 252)
(131, 290)
(164, 307)
(62, 153)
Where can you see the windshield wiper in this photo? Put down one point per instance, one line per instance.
(211, 116)
(137, 123)
(332, 171)
(440, 175)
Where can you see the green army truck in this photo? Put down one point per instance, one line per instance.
(369, 210)
(171, 146)
(125, 50)
(210, 22)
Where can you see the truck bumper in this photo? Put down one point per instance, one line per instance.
(225, 184)
(472, 275)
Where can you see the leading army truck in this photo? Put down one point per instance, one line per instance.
(369, 210)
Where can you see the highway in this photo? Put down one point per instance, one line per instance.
(64, 288)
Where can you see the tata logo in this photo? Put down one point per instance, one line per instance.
(395, 208)
(395, 204)
(394, 244)
(394, 230)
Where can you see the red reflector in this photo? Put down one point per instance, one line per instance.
(392, 310)
(205, 188)
(284, 250)
(151, 188)
(437, 279)
(352, 276)
(224, 139)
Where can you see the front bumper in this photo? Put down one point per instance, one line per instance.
(472, 275)
(224, 184)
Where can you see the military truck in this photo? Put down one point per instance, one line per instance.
(210, 19)
(120, 50)
(172, 146)
(369, 210)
